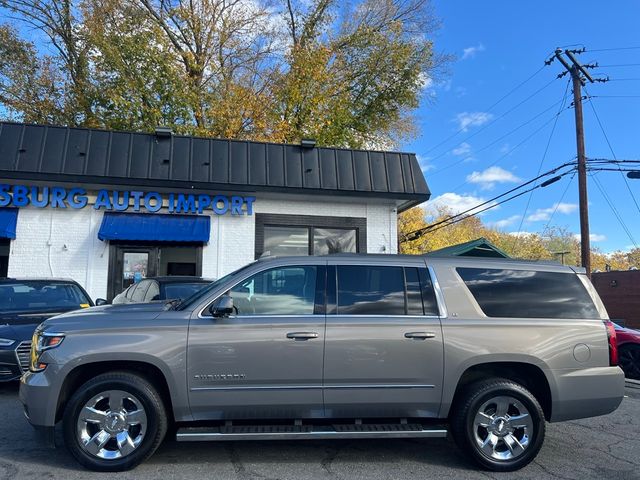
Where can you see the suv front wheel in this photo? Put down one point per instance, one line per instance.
(114, 421)
(500, 423)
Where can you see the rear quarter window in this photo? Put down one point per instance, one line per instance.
(529, 294)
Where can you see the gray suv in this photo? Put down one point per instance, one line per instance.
(338, 346)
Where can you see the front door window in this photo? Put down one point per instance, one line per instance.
(278, 291)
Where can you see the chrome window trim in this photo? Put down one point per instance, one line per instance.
(377, 315)
(442, 306)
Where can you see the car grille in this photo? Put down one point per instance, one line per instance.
(23, 352)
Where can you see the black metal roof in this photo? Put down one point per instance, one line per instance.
(91, 156)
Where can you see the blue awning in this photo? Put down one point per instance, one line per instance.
(155, 227)
(8, 221)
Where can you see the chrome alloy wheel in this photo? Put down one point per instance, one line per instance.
(503, 428)
(111, 425)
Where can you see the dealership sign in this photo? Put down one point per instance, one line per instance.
(122, 200)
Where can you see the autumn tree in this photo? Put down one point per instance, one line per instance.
(555, 243)
(347, 74)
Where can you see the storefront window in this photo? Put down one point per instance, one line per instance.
(308, 240)
(333, 240)
(284, 241)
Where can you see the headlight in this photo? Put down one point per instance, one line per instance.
(41, 342)
(6, 342)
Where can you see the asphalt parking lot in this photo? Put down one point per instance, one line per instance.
(597, 448)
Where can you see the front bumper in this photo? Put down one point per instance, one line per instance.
(587, 393)
(39, 398)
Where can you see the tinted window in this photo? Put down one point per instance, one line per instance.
(278, 291)
(370, 290)
(153, 293)
(428, 294)
(181, 290)
(141, 289)
(529, 294)
(40, 296)
(414, 292)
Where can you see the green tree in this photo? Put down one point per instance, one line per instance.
(348, 74)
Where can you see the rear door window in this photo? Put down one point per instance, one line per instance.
(385, 290)
(370, 290)
(528, 294)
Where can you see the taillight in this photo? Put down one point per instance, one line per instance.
(613, 343)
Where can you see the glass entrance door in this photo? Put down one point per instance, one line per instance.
(132, 264)
(129, 263)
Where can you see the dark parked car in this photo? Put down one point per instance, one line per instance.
(629, 351)
(161, 288)
(24, 304)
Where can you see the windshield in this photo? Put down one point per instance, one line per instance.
(182, 290)
(41, 296)
(200, 294)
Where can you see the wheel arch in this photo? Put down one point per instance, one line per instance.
(82, 373)
(529, 375)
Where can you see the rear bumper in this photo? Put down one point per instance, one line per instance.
(586, 393)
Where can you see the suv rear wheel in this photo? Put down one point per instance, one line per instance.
(114, 421)
(499, 423)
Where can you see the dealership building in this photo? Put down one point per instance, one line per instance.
(108, 208)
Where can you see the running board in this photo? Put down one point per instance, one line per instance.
(307, 432)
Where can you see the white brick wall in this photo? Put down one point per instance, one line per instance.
(64, 242)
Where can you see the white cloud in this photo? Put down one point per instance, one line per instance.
(471, 52)
(462, 150)
(505, 222)
(457, 203)
(424, 163)
(472, 119)
(544, 214)
(492, 175)
(425, 82)
(521, 234)
(594, 237)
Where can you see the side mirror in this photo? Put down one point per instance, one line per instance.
(222, 307)
(100, 301)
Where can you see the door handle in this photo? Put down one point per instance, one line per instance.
(419, 335)
(302, 335)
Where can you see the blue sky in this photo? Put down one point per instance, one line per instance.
(499, 44)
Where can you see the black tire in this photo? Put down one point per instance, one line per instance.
(629, 360)
(147, 397)
(468, 436)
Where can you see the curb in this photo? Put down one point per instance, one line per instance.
(635, 384)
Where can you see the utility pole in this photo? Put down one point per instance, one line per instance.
(578, 74)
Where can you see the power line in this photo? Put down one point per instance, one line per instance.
(417, 233)
(612, 49)
(544, 184)
(513, 149)
(502, 137)
(488, 109)
(606, 137)
(613, 209)
(544, 155)
(555, 209)
(620, 65)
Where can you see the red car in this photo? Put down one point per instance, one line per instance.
(628, 351)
